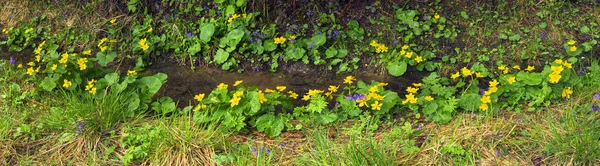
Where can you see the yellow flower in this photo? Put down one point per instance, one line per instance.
(374, 43)
(197, 108)
(428, 98)
(376, 96)
(199, 97)
(374, 89)
(82, 63)
(269, 90)
(261, 97)
(485, 99)
(483, 107)
(87, 52)
(149, 30)
(235, 101)
(103, 48)
(329, 95)
(102, 41)
(478, 74)
(4, 31)
(306, 97)
(417, 84)
(410, 98)
(436, 16)
(334, 89)
(419, 59)
(67, 83)
(382, 84)
(567, 65)
(280, 88)
(556, 69)
(409, 54)
(404, 47)
(571, 42)
(381, 48)
(238, 82)
(93, 91)
(558, 61)
(573, 48)
(90, 84)
(455, 75)
(511, 80)
(39, 48)
(238, 94)
(113, 20)
(64, 59)
(19, 66)
(466, 72)
(292, 37)
(314, 92)
(130, 72)
(222, 86)
(517, 67)
(402, 52)
(412, 90)
(493, 90)
(244, 15)
(376, 105)
(30, 71)
(554, 78)
(280, 40)
(54, 66)
(31, 63)
(566, 93)
(349, 79)
(293, 95)
(503, 69)
(494, 83)
(530, 68)
(143, 44)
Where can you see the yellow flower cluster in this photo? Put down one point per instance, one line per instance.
(30, 71)
(233, 17)
(332, 89)
(131, 72)
(504, 69)
(222, 86)
(572, 47)
(199, 98)
(349, 79)
(90, 87)
(38, 50)
(64, 58)
(54, 66)
(82, 63)
(67, 83)
(261, 97)
(101, 46)
(280, 40)
(5, 31)
(143, 44)
(566, 93)
(486, 99)
(376, 105)
(87, 52)
(28, 30)
(379, 48)
(311, 93)
(556, 70)
(293, 94)
(149, 30)
(237, 96)
(410, 97)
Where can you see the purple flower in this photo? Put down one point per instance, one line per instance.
(190, 34)
(12, 16)
(395, 42)
(292, 40)
(291, 151)
(311, 46)
(309, 13)
(268, 152)
(420, 126)
(596, 96)
(520, 120)
(481, 91)
(253, 149)
(425, 17)
(355, 97)
(543, 36)
(12, 61)
(336, 104)
(581, 72)
(218, 13)
(595, 108)
(498, 153)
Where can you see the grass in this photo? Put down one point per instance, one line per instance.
(43, 129)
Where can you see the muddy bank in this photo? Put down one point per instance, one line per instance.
(183, 83)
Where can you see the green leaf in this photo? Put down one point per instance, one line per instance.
(206, 32)
(331, 52)
(328, 118)
(469, 102)
(254, 102)
(529, 78)
(585, 29)
(194, 49)
(515, 37)
(48, 84)
(396, 68)
(234, 37)
(318, 40)
(111, 78)
(151, 84)
(269, 45)
(103, 59)
(221, 56)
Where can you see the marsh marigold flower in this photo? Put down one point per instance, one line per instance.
(376, 105)
(466, 72)
(54, 66)
(483, 107)
(82, 63)
(418, 59)
(566, 93)
(143, 44)
(573, 48)
(511, 80)
(428, 98)
(238, 82)
(293, 95)
(222, 86)
(530, 68)
(280, 88)
(436, 16)
(67, 83)
(87, 52)
(261, 97)
(349, 80)
(334, 89)
(199, 97)
(572, 42)
(280, 40)
(131, 72)
(455, 75)
(269, 90)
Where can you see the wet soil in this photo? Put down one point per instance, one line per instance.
(183, 82)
